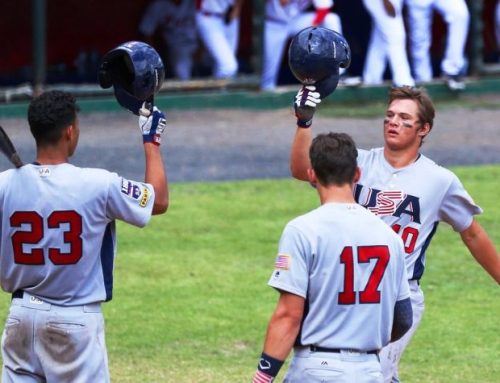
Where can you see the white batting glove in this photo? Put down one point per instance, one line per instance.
(153, 126)
(305, 104)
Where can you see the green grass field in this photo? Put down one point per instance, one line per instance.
(191, 301)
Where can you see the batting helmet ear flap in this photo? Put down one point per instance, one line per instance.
(326, 86)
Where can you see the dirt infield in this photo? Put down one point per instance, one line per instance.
(230, 144)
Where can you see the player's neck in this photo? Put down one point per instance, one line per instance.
(51, 156)
(335, 194)
(401, 158)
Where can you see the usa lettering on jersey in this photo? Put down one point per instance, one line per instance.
(388, 202)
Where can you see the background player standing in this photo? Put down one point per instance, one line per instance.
(284, 19)
(456, 17)
(349, 267)
(58, 245)
(410, 192)
(176, 21)
(387, 44)
(218, 24)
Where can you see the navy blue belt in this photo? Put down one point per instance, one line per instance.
(338, 350)
(18, 294)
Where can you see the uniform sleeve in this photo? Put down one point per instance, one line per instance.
(130, 201)
(457, 207)
(291, 272)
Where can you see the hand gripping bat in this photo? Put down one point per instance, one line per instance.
(9, 150)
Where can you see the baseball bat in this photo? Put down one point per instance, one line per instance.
(7, 148)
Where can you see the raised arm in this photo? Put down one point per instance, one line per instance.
(482, 249)
(304, 105)
(152, 128)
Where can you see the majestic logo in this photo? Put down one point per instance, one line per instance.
(388, 202)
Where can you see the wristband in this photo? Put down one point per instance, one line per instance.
(304, 123)
(153, 138)
(267, 369)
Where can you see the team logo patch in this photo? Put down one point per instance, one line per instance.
(136, 191)
(282, 262)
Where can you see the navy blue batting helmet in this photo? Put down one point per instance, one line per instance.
(316, 55)
(136, 72)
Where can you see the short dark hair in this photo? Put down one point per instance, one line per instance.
(334, 158)
(49, 114)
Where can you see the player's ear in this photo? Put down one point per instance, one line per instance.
(357, 174)
(311, 175)
(424, 130)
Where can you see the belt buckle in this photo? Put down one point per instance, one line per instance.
(351, 352)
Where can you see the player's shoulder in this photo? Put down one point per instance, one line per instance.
(434, 171)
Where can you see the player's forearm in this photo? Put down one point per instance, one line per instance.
(281, 335)
(482, 249)
(156, 176)
(299, 156)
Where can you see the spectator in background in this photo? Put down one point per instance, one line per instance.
(387, 44)
(456, 17)
(218, 23)
(175, 20)
(284, 19)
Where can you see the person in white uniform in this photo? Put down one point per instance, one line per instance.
(218, 23)
(454, 63)
(409, 192)
(387, 44)
(58, 245)
(284, 19)
(175, 19)
(341, 275)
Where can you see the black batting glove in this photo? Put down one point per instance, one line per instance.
(305, 105)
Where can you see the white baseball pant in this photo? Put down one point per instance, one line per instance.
(390, 355)
(221, 42)
(343, 367)
(387, 45)
(420, 15)
(42, 343)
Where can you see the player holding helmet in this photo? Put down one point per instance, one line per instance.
(58, 241)
(407, 190)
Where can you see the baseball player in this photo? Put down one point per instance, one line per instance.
(409, 192)
(387, 44)
(218, 24)
(58, 245)
(176, 21)
(456, 17)
(342, 280)
(285, 18)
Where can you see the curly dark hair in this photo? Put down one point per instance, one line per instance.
(334, 158)
(49, 114)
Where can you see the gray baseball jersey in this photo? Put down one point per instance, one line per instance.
(349, 266)
(413, 200)
(61, 247)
